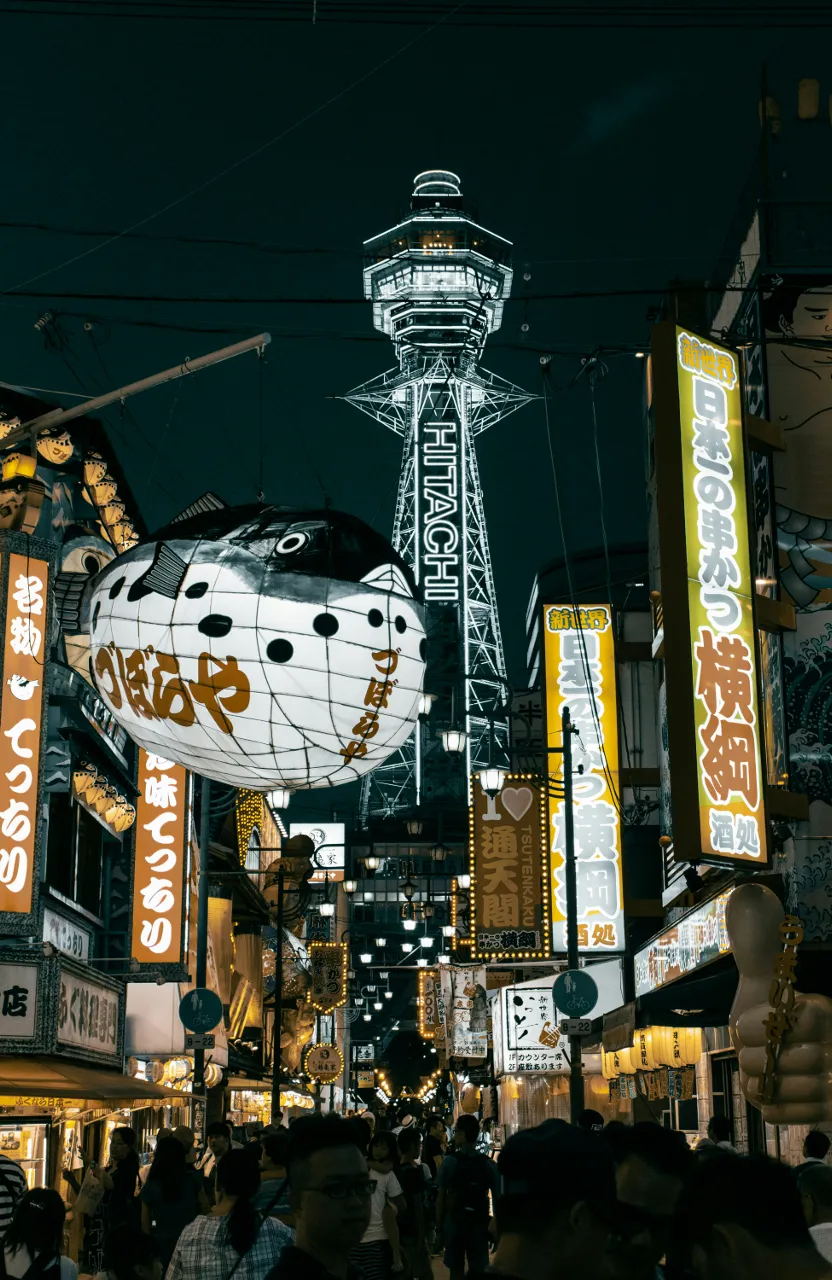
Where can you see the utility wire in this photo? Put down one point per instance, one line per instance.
(251, 155)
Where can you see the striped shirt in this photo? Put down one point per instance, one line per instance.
(12, 1186)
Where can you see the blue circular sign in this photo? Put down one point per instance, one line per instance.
(575, 993)
(200, 1010)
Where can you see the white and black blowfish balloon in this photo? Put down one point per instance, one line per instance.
(261, 646)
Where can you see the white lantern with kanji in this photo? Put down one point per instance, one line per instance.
(262, 647)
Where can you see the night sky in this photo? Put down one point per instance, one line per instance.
(613, 158)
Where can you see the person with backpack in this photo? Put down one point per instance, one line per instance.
(465, 1181)
(32, 1244)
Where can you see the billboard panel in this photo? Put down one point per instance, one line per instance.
(579, 666)
(715, 746)
(509, 871)
(160, 863)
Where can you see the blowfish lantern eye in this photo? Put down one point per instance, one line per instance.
(292, 542)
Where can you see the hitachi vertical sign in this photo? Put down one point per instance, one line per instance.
(718, 800)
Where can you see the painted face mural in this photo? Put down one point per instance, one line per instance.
(262, 646)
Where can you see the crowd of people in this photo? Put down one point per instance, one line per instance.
(352, 1198)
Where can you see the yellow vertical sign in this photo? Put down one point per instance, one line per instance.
(730, 777)
(579, 657)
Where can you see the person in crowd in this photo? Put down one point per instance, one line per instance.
(719, 1136)
(330, 1192)
(814, 1182)
(591, 1121)
(363, 1132)
(272, 1196)
(652, 1166)
(742, 1219)
(219, 1140)
(369, 1118)
(12, 1187)
(172, 1197)
(554, 1228)
(379, 1252)
(184, 1134)
(815, 1147)
(435, 1144)
(145, 1168)
(414, 1180)
(485, 1141)
(119, 1179)
(254, 1136)
(465, 1181)
(233, 1238)
(406, 1121)
(32, 1241)
(130, 1255)
(615, 1136)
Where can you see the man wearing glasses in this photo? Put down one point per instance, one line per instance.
(330, 1191)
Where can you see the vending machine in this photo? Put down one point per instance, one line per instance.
(26, 1140)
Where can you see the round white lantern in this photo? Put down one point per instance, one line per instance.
(262, 647)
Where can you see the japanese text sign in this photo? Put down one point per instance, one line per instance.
(363, 1052)
(464, 1010)
(159, 871)
(695, 940)
(718, 801)
(532, 1036)
(18, 1001)
(366, 1079)
(323, 1062)
(428, 1007)
(20, 727)
(509, 871)
(87, 1015)
(329, 975)
(579, 657)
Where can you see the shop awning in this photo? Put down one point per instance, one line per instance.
(702, 998)
(50, 1077)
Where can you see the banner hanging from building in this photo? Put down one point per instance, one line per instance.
(159, 867)
(465, 1009)
(328, 961)
(509, 866)
(21, 723)
(579, 672)
(707, 588)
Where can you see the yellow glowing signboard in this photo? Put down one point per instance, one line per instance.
(717, 792)
(579, 664)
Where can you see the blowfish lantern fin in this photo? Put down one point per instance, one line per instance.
(388, 577)
(165, 575)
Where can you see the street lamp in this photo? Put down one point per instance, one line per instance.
(415, 826)
(388, 995)
(381, 942)
(422, 963)
(408, 889)
(278, 798)
(491, 780)
(367, 1017)
(464, 881)
(377, 1005)
(365, 958)
(426, 941)
(425, 703)
(350, 887)
(454, 740)
(326, 908)
(449, 930)
(428, 910)
(410, 925)
(443, 959)
(372, 863)
(439, 852)
(407, 947)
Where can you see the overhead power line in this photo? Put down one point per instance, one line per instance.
(416, 12)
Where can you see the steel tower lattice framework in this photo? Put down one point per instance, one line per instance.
(438, 281)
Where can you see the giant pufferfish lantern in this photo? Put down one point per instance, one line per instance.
(261, 646)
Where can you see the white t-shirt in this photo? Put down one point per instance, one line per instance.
(822, 1236)
(19, 1262)
(387, 1186)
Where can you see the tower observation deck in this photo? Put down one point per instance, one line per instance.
(438, 283)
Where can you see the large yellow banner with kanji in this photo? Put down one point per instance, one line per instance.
(720, 590)
(579, 665)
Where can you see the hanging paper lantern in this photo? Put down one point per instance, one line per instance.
(56, 448)
(83, 778)
(95, 469)
(154, 1071)
(177, 1068)
(643, 1051)
(213, 1075)
(678, 1046)
(262, 647)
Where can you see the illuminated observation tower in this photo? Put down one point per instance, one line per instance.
(438, 282)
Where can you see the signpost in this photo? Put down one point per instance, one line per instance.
(200, 1010)
(200, 1042)
(576, 1027)
(575, 993)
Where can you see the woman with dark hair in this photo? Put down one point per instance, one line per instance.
(172, 1196)
(119, 1180)
(33, 1240)
(233, 1237)
(379, 1253)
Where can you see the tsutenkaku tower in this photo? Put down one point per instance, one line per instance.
(438, 282)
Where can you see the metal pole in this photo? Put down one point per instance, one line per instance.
(56, 417)
(202, 920)
(576, 1076)
(319, 1088)
(278, 1001)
